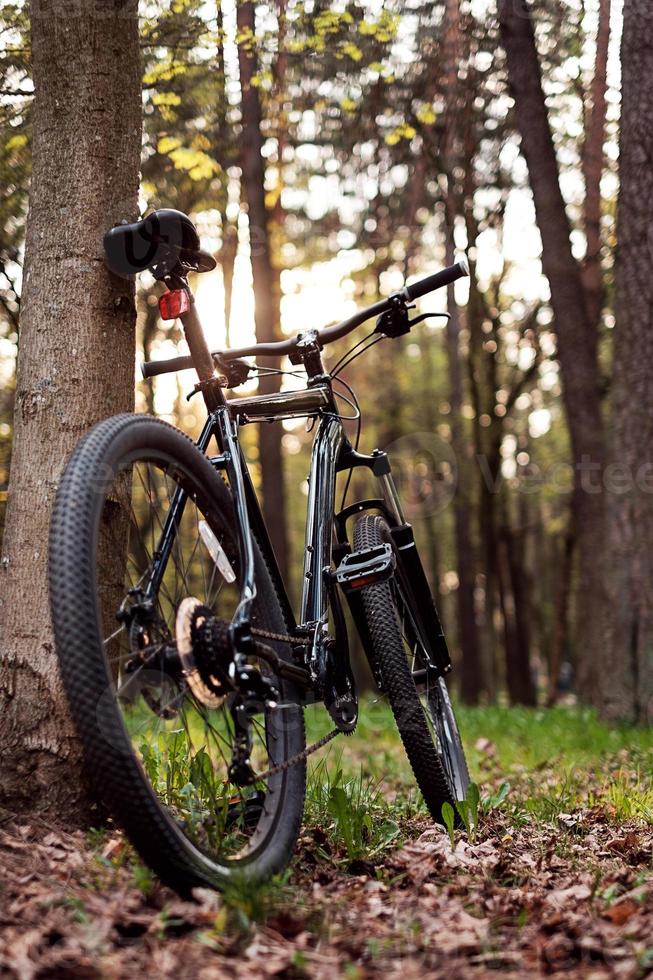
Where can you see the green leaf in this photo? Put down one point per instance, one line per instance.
(494, 800)
(166, 98)
(348, 105)
(198, 165)
(473, 798)
(339, 809)
(167, 143)
(353, 51)
(449, 818)
(426, 115)
(462, 806)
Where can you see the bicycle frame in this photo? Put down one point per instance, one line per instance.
(331, 453)
(326, 534)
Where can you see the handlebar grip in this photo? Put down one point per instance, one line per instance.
(437, 281)
(150, 369)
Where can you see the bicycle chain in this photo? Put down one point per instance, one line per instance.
(295, 760)
(310, 749)
(279, 637)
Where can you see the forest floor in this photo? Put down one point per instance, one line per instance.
(557, 881)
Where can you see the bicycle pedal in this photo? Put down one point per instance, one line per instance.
(366, 567)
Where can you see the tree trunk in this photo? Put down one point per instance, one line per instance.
(519, 677)
(266, 285)
(593, 161)
(471, 675)
(627, 667)
(76, 358)
(576, 335)
(561, 615)
(228, 229)
(228, 253)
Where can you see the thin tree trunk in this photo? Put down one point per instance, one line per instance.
(576, 335)
(561, 616)
(471, 678)
(487, 442)
(433, 550)
(519, 678)
(228, 229)
(593, 162)
(228, 253)
(148, 300)
(266, 282)
(76, 359)
(627, 661)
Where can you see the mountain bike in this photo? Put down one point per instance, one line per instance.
(185, 667)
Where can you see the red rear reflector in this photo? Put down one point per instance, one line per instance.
(173, 304)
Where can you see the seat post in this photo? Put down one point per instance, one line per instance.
(200, 353)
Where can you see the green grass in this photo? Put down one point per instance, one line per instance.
(540, 770)
(562, 759)
(534, 737)
(535, 765)
(353, 808)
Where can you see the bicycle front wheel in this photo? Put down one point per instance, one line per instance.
(158, 746)
(422, 710)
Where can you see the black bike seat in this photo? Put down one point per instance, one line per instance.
(164, 242)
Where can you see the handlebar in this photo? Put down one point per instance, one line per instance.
(150, 369)
(326, 336)
(437, 281)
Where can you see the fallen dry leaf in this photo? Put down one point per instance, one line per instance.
(622, 911)
(486, 747)
(521, 901)
(567, 898)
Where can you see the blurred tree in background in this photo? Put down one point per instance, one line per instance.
(331, 150)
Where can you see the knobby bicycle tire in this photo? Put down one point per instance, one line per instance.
(439, 780)
(110, 759)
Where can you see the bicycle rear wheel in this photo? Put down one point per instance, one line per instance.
(157, 745)
(422, 710)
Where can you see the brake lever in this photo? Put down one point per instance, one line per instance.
(425, 316)
(235, 371)
(232, 374)
(395, 321)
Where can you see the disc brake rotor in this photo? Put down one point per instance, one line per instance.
(205, 686)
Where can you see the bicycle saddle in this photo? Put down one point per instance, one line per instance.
(164, 242)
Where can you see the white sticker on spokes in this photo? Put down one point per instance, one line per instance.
(216, 552)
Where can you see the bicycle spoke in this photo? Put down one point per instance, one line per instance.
(187, 746)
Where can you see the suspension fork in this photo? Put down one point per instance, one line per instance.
(409, 563)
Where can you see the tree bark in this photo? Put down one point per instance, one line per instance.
(266, 284)
(519, 677)
(627, 667)
(561, 616)
(576, 335)
(228, 229)
(76, 358)
(471, 675)
(593, 161)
